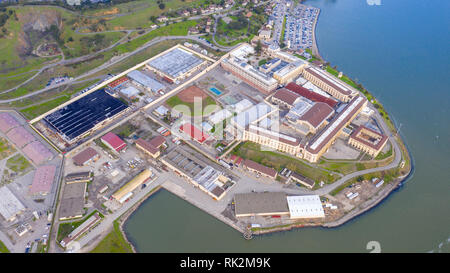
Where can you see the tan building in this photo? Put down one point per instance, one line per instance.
(367, 140)
(125, 192)
(261, 204)
(329, 83)
(320, 144)
(284, 97)
(195, 169)
(316, 117)
(272, 139)
(253, 77)
(265, 34)
(289, 72)
(152, 147)
(305, 181)
(260, 169)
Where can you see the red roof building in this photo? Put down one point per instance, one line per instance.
(86, 156)
(43, 180)
(194, 132)
(151, 147)
(118, 82)
(261, 169)
(313, 96)
(113, 141)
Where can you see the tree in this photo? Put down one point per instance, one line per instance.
(161, 6)
(258, 47)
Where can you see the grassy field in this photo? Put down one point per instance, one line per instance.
(18, 163)
(114, 242)
(175, 29)
(65, 229)
(176, 101)
(7, 82)
(125, 130)
(5, 148)
(14, 61)
(78, 69)
(283, 30)
(252, 151)
(60, 97)
(3, 248)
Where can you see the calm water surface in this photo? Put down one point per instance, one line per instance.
(398, 50)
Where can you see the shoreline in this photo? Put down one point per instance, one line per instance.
(353, 214)
(124, 217)
(315, 48)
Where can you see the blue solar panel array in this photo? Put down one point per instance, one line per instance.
(82, 115)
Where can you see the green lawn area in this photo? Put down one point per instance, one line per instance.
(278, 161)
(382, 155)
(14, 61)
(36, 110)
(125, 130)
(61, 97)
(5, 148)
(17, 163)
(7, 82)
(282, 31)
(114, 242)
(3, 248)
(340, 167)
(175, 101)
(175, 29)
(240, 29)
(66, 228)
(141, 11)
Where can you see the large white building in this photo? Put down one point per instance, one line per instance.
(305, 206)
(10, 206)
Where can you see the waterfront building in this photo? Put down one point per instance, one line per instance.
(196, 169)
(329, 83)
(367, 140)
(126, 191)
(260, 204)
(305, 206)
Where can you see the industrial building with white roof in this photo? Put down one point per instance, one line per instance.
(10, 206)
(176, 64)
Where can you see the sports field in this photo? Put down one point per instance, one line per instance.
(186, 98)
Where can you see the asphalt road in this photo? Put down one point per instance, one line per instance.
(107, 64)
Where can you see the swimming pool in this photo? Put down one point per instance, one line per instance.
(215, 91)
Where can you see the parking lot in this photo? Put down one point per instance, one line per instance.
(299, 27)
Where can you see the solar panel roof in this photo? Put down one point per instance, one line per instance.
(82, 115)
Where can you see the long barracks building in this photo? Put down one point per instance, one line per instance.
(272, 139)
(328, 83)
(323, 141)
